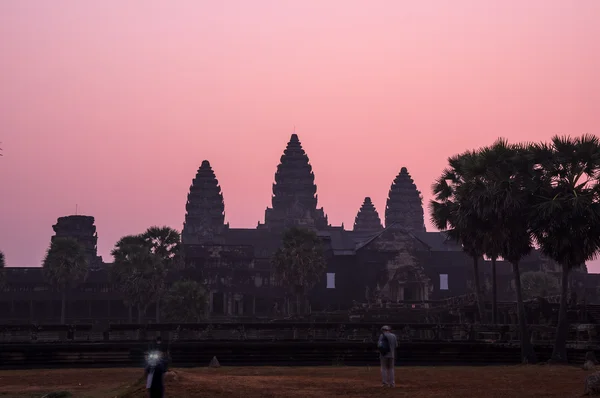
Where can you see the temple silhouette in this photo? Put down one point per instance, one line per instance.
(395, 262)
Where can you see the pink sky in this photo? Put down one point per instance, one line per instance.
(113, 104)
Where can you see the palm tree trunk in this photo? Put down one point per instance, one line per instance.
(559, 353)
(63, 308)
(478, 293)
(494, 293)
(527, 352)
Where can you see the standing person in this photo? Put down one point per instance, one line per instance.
(156, 367)
(387, 345)
(155, 370)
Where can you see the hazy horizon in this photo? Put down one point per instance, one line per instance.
(112, 107)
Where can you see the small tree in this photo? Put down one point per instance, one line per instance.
(300, 263)
(538, 284)
(137, 272)
(185, 301)
(65, 266)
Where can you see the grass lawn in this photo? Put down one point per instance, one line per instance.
(323, 382)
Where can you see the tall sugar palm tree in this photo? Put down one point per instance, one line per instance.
(65, 266)
(165, 243)
(503, 198)
(300, 263)
(566, 216)
(452, 211)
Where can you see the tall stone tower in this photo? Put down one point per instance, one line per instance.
(205, 208)
(367, 219)
(294, 198)
(82, 229)
(404, 207)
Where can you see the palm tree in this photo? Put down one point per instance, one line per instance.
(64, 266)
(137, 272)
(300, 263)
(503, 198)
(186, 301)
(165, 243)
(566, 216)
(452, 211)
(118, 270)
(492, 247)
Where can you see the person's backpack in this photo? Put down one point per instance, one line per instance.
(384, 345)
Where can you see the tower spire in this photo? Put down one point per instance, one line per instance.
(404, 207)
(205, 208)
(367, 219)
(294, 200)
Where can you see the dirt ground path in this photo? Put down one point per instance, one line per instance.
(322, 382)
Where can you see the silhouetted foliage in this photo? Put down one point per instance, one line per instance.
(142, 263)
(538, 284)
(484, 200)
(137, 272)
(565, 219)
(165, 243)
(65, 266)
(503, 198)
(300, 263)
(186, 301)
(452, 211)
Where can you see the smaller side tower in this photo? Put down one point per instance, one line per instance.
(367, 219)
(82, 229)
(205, 208)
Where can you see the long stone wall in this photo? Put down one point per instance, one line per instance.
(197, 354)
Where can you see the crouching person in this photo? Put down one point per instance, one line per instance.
(387, 345)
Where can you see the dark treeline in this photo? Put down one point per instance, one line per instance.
(505, 199)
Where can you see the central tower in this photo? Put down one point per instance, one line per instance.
(404, 207)
(294, 200)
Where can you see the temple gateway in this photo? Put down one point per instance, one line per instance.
(394, 261)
